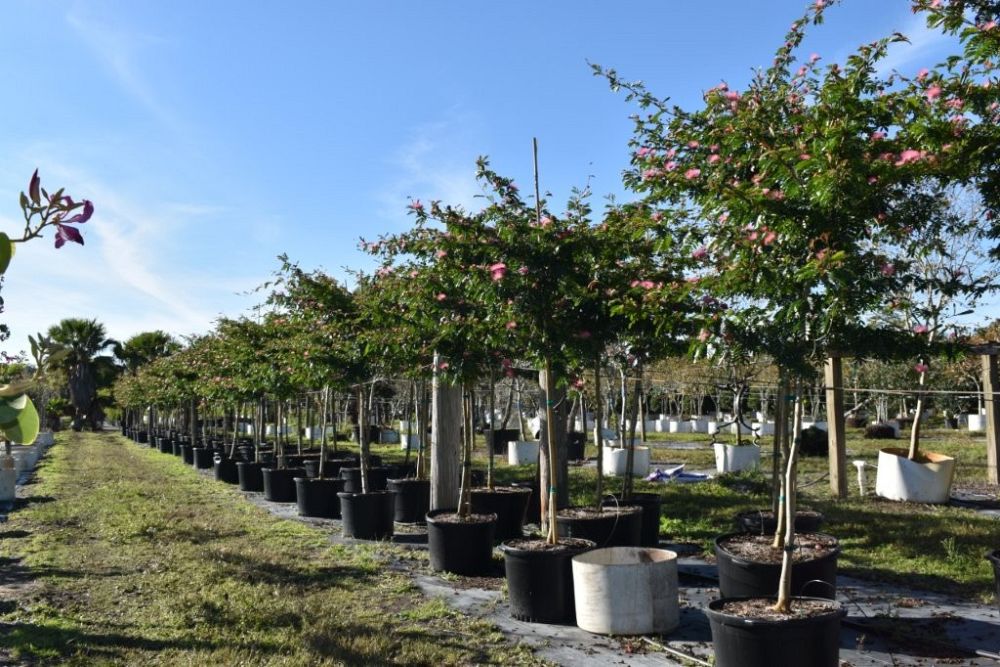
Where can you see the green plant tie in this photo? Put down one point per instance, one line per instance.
(790, 397)
(552, 490)
(551, 403)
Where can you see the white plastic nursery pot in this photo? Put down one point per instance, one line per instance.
(615, 460)
(8, 480)
(765, 428)
(522, 452)
(734, 458)
(926, 481)
(679, 426)
(626, 591)
(711, 427)
(977, 423)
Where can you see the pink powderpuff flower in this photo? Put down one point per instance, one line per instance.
(545, 221)
(935, 4)
(921, 329)
(634, 283)
(578, 383)
(414, 274)
(805, 156)
(523, 270)
(444, 365)
(692, 279)
(713, 158)
(498, 271)
(692, 173)
(670, 165)
(647, 175)
(700, 253)
(989, 25)
(733, 96)
(922, 74)
(814, 57)
(872, 180)
(643, 152)
(921, 368)
(441, 254)
(769, 238)
(693, 144)
(888, 269)
(933, 93)
(647, 284)
(704, 335)
(441, 296)
(511, 325)
(416, 205)
(908, 156)
(752, 236)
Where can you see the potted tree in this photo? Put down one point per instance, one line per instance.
(784, 191)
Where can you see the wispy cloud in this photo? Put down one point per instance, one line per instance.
(119, 49)
(435, 163)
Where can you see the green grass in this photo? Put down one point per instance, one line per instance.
(137, 559)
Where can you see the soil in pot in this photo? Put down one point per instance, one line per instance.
(612, 527)
(377, 479)
(764, 521)
(509, 503)
(413, 499)
(279, 483)
(367, 516)
(330, 469)
(250, 476)
(318, 497)
(540, 578)
(649, 532)
(749, 565)
(747, 633)
(461, 545)
(226, 471)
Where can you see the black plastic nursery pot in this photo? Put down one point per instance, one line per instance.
(330, 469)
(533, 515)
(142, 437)
(413, 499)
(226, 471)
(764, 521)
(576, 446)
(318, 497)
(204, 458)
(540, 578)
(649, 525)
(166, 446)
(994, 558)
(501, 437)
(187, 454)
(747, 642)
(377, 479)
(367, 516)
(177, 447)
(251, 478)
(461, 546)
(612, 527)
(279, 483)
(739, 577)
(509, 503)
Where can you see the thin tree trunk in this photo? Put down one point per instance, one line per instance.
(783, 604)
(363, 437)
(322, 437)
(489, 438)
(552, 536)
(598, 430)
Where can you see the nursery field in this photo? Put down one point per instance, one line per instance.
(119, 555)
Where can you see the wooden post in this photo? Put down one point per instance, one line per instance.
(836, 424)
(991, 384)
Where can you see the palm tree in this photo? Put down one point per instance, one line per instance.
(83, 341)
(143, 348)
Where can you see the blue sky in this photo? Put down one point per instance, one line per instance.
(214, 136)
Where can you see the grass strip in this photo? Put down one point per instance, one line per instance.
(121, 555)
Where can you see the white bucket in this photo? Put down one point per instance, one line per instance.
(626, 591)
(711, 427)
(615, 459)
(522, 452)
(767, 428)
(388, 436)
(899, 478)
(698, 425)
(734, 458)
